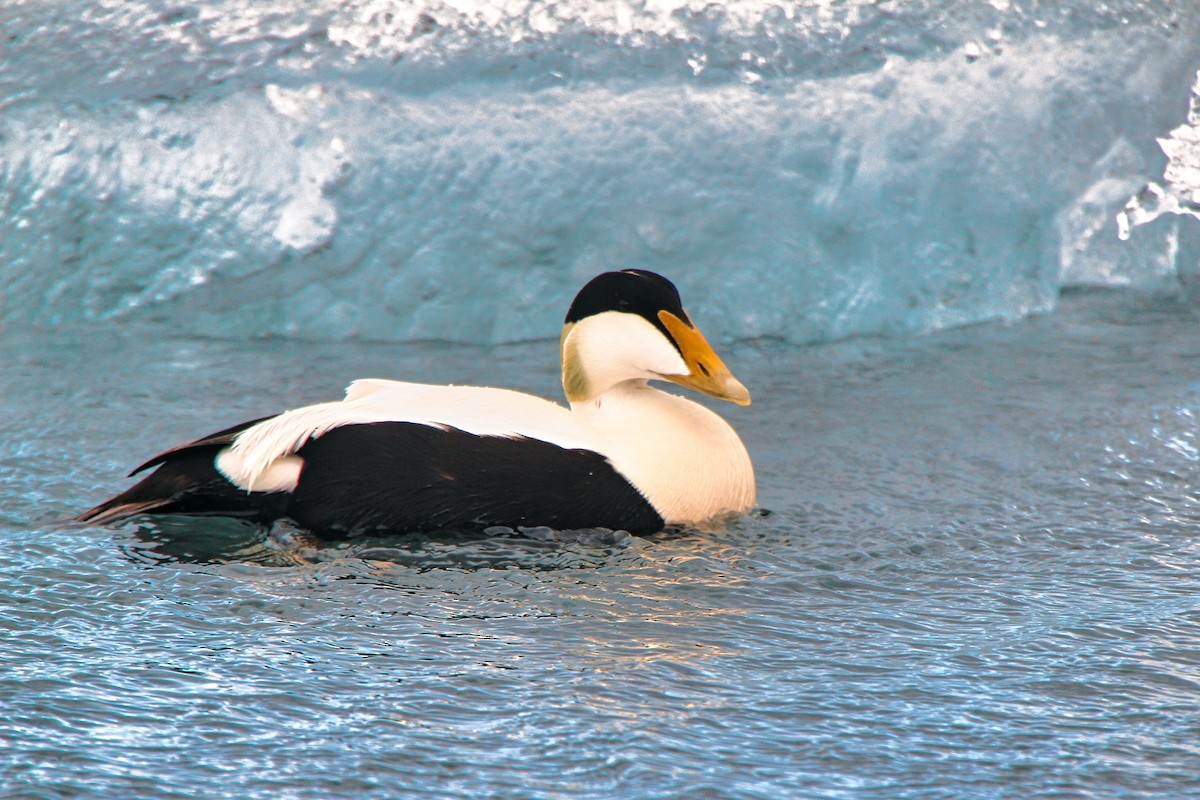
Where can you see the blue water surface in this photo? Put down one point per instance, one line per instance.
(980, 578)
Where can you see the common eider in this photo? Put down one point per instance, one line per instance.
(407, 457)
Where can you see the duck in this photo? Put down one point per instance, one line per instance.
(400, 457)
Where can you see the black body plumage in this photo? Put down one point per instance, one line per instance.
(400, 477)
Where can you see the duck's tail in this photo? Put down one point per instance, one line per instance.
(186, 482)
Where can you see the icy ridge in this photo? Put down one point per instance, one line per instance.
(1171, 207)
(454, 170)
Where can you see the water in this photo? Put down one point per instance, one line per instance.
(979, 579)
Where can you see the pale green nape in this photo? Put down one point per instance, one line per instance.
(574, 377)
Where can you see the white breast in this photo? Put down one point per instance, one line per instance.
(687, 461)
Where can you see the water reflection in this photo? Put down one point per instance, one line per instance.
(215, 540)
(655, 596)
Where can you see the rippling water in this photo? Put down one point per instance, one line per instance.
(980, 578)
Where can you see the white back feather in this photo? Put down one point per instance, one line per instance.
(262, 449)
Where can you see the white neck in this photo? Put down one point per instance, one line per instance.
(689, 462)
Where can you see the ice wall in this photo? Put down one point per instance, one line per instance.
(452, 170)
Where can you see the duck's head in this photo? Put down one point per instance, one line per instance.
(631, 326)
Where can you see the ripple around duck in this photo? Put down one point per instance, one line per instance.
(202, 540)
